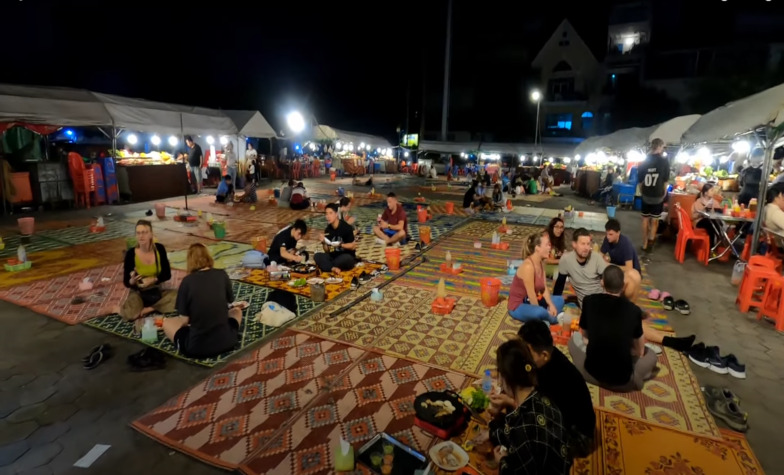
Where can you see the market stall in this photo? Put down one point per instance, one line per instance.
(353, 152)
(250, 124)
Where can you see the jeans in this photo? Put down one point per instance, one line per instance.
(196, 177)
(526, 312)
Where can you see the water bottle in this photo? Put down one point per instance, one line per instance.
(149, 331)
(487, 382)
(21, 254)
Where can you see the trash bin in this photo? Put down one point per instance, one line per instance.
(393, 258)
(611, 212)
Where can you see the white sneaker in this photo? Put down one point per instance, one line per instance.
(654, 348)
(381, 241)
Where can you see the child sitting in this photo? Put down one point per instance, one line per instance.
(249, 195)
(225, 191)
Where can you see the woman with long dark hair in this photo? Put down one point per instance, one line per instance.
(556, 231)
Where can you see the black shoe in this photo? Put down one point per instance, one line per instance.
(682, 306)
(668, 303)
(148, 359)
(730, 413)
(715, 361)
(354, 283)
(364, 278)
(698, 355)
(735, 367)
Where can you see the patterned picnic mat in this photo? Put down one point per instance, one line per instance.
(251, 331)
(629, 445)
(65, 260)
(36, 243)
(377, 395)
(264, 212)
(262, 277)
(53, 297)
(226, 255)
(247, 405)
(367, 322)
(237, 230)
(115, 229)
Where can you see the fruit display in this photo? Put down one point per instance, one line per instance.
(127, 158)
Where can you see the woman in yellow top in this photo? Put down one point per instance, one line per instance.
(146, 268)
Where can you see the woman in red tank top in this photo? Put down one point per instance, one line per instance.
(529, 298)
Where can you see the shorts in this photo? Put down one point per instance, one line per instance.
(652, 211)
(182, 342)
(392, 232)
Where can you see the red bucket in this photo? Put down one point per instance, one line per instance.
(490, 288)
(450, 207)
(393, 258)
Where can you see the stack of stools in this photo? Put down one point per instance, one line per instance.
(100, 190)
(109, 180)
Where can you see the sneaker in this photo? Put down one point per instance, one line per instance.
(682, 306)
(364, 278)
(735, 367)
(712, 392)
(381, 241)
(668, 303)
(698, 355)
(354, 283)
(730, 414)
(654, 348)
(716, 362)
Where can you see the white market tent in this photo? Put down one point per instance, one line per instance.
(251, 124)
(325, 132)
(624, 140)
(553, 149)
(761, 111)
(76, 107)
(672, 130)
(588, 145)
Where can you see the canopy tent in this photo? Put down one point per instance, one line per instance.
(448, 147)
(588, 145)
(325, 132)
(672, 130)
(66, 107)
(554, 150)
(764, 110)
(251, 124)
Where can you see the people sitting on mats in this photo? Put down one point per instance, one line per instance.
(392, 227)
(283, 249)
(558, 379)
(528, 432)
(619, 250)
(338, 243)
(529, 297)
(498, 197)
(299, 198)
(249, 194)
(556, 232)
(610, 348)
(145, 268)
(585, 268)
(225, 192)
(209, 319)
(344, 206)
(473, 199)
(285, 193)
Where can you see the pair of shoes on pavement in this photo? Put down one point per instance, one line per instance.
(669, 303)
(710, 357)
(725, 405)
(97, 355)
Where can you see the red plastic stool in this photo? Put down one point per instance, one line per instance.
(773, 302)
(755, 277)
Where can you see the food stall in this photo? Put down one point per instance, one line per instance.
(149, 176)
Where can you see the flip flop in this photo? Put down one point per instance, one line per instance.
(654, 294)
(95, 360)
(104, 348)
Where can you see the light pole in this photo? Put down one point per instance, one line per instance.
(536, 96)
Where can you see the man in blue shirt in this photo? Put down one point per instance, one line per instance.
(619, 250)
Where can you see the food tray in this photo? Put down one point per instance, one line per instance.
(186, 219)
(18, 267)
(501, 245)
(444, 309)
(406, 459)
(303, 269)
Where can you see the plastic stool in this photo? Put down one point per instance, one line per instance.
(773, 304)
(755, 277)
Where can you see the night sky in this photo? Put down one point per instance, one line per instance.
(349, 63)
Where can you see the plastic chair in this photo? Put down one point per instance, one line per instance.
(756, 275)
(773, 302)
(83, 179)
(687, 234)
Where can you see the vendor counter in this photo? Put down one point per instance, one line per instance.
(152, 182)
(587, 182)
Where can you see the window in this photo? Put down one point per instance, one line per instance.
(559, 121)
(586, 121)
(564, 39)
(560, 88)
(561, 67)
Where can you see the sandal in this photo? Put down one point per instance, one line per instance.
(96, 359)
(654, 294)
(664, 295)
(104, 348)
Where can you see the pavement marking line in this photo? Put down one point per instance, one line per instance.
(91, 456)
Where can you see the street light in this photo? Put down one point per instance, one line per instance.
(295, 122)
(536, 96)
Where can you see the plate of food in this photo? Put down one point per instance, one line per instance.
(315, 280)
(449, 456)
(302, 282)
(334, 280)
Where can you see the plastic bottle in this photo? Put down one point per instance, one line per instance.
(149, 331)
(495, 237)
(487, 382)
(21, 254)
(448, 256)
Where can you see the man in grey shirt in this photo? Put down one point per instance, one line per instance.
(585, 268)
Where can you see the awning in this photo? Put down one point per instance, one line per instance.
(251, 124)
(325, 132)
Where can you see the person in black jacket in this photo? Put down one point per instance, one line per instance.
(146, 268)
